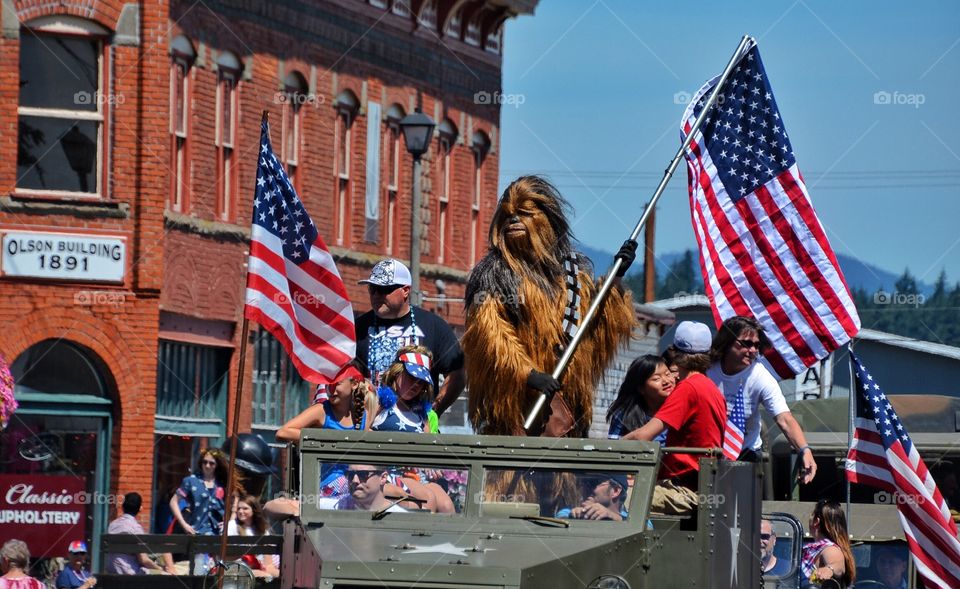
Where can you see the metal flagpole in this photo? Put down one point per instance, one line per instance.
(851, 415)
(234, 439)
(745, 43)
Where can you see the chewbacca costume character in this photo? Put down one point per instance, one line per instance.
(519, 317)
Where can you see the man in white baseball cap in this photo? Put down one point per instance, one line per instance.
(694, 416)
(393, 323)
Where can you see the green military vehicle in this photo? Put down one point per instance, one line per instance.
(874, 525)
(511, 521)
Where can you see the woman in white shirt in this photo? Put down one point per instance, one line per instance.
(248, 520)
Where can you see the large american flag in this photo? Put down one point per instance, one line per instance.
(763, 252)
(883, 456)
(293, 287)
(736, 426)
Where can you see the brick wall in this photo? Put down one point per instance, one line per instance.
(189, 263)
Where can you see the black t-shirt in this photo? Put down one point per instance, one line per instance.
(430, 331)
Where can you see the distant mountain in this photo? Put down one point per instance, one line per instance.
(858, 273)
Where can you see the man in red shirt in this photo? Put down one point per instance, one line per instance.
(694, 416)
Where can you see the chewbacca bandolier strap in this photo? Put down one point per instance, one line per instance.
(525, 299)
(571, 316)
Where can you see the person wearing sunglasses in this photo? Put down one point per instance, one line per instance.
(366, 483)
(771, 565)
(393, 323)
(736, 370)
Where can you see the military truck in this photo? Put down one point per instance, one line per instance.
(874, 524)
(507, 527)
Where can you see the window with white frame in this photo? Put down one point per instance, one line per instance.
(446, 139)
(472, 35)
(182, 56)
(400, 8)
(494, 40)
(480, 145)
(454, 24)
(295, 95)
(428, 15)
(228, 75)
(346, 106)
(394, 149)
(64, 100)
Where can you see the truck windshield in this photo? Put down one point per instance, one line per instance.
(390, 488)
(562, 493)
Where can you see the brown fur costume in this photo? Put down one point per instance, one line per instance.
(516, 297)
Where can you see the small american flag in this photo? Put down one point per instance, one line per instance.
(293, 287)
(736, 425)
(763, 252)
(883, 456)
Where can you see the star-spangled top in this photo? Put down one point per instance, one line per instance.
(744, 134)
(277, 208)
(737, 415)
(879, 409)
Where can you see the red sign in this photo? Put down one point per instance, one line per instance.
(46, 512)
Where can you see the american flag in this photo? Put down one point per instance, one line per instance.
(736, 425)
(293, 287)
(883, 456)
(763, 252)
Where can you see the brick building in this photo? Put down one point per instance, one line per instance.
(125, 188)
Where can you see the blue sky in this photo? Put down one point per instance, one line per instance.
(596, 108)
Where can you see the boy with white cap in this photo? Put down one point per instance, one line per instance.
(694, 416)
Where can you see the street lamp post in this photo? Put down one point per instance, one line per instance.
(417, 131)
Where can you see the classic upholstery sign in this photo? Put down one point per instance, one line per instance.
(46, 512)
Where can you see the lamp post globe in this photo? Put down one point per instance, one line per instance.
(417, 131)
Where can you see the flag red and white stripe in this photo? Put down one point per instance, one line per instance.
(736, 424)
(293, 287)
(882, 455)
(763, 251)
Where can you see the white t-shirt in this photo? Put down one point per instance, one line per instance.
(759, 386)
(234, 530)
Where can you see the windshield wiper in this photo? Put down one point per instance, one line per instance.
(380, 513)
(543, 520)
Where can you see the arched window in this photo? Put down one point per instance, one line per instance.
(295, 92)
(454, 24)
(64, 99)
(400, 8)
(446, 138)
(428, 15)
(228, 106)
(182, 56)
(346, 106)
(480, 145)
(394, 150)
(472, 34)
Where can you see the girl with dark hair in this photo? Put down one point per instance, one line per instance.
(646, 386)
(829, 555)
(249, 521)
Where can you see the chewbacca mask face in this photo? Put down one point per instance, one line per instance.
(530, 224)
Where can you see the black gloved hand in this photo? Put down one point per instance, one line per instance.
(543, 382)
(627, 253)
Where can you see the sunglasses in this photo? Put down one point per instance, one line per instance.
(362, 475)
(749, 344)
(766, 536)
(382, 290)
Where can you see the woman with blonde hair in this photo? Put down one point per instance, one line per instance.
(829, 555)
(349, 405)
(14, 562)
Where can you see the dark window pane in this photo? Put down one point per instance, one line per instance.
(58, 72)
(57, 154)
